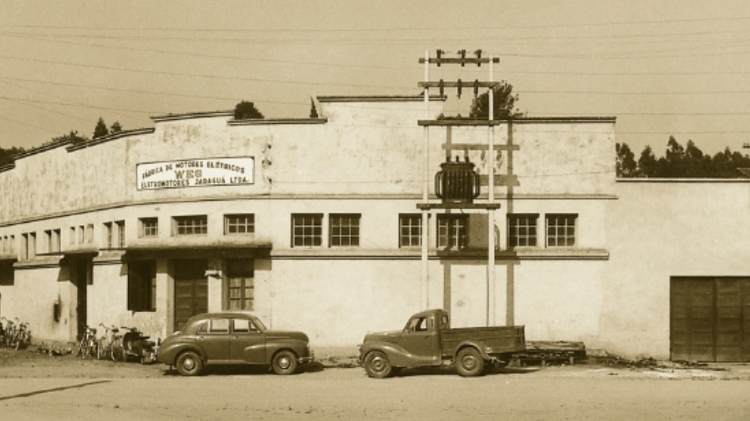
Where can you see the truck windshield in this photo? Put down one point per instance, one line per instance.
(417, 324)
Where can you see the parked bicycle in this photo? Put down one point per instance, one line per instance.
(9, 331)
(88, 345)
(21, 335)
(116, 351)
(109, 345)
(3, 325)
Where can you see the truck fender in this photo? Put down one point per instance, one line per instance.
(397, 356)
(478, 345)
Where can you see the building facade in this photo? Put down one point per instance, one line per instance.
(313, 224)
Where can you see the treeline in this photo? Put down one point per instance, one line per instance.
(679, 162)
(6, 155)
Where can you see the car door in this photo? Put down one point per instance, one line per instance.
(214, 337)
(420, 338)
(247, 343)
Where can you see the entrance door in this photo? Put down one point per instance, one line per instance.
(190, 290)
(81, 277)
(710, 319)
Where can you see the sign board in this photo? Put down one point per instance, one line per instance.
(195, 173)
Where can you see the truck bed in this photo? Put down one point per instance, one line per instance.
(501, 339)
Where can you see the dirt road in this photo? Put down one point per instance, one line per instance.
(54, 388)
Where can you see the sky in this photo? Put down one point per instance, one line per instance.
(662, 68)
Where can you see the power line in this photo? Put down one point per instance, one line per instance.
(95, 66)
(384, 28)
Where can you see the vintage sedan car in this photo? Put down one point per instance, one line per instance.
(233, 338)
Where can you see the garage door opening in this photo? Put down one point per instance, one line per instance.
(710, 319)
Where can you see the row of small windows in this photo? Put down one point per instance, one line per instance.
(452, 230)
(307, 231)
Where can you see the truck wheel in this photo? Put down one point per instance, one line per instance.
(285, 362)
(469, 362)
(377, 365)
(189, 364)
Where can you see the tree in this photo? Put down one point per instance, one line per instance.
(101, 129)
(313, 111)
(647, 163)
(115, 128)
(504, 103)
(626, 165)
(246, 110)
(6, 155)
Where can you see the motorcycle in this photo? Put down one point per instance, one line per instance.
(137, 346)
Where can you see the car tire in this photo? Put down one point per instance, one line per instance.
(189, 363)
(377, 365)
(469, 362)
(285, 362)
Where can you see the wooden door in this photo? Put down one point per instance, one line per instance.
(190, 290)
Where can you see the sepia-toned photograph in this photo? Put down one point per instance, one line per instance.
(374, 210)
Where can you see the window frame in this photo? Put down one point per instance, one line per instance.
(410, 236)
(245, 270)
(342, 233)
(201, 226)
(315, 227)
(248, 224)
(514, 230)
(570, 240)
(142, 291)
(459, 232)
(145, 227)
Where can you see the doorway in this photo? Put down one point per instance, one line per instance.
(190, 290)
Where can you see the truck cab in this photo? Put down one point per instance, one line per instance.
(428, 341)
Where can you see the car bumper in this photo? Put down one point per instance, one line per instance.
(307, 360)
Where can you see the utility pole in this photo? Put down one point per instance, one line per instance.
(460, 202)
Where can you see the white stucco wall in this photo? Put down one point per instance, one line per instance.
(659, 229)
(367, 158)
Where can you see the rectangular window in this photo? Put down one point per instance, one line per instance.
(307, 230)
(30, 245)
(72, 236)
(522, 230)
(149, 227)
(53, 241)
(243, 326)
(90, 233)
(24, 246)
(142, 285)
(191, 225)
(239, 224)
(109, 235)
(344, 230)
(561, 230)
(452, 231)
(410, 230)
(240, 276)
(218, 326)
(12, 243)
(120, 234)
(81, 234)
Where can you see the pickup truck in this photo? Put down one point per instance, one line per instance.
(428, 341)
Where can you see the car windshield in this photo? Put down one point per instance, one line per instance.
(260, 325)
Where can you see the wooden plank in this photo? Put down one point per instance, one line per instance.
(456, 60)
(462, 83)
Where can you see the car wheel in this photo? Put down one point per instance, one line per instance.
(189, 363)
(469, 362)
(377, 365)
(285, 362)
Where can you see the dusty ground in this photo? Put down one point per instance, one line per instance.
(36, 386)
